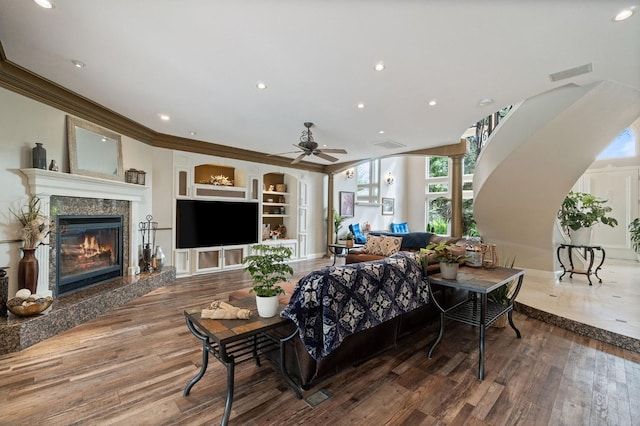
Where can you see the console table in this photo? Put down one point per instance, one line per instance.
(586, 249)
(233, 342)
(476, 309)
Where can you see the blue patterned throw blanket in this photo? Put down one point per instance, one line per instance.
(334, 302)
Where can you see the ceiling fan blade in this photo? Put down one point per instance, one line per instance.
(298, 158)
(325, 156)
(298, 146)
(334, 150)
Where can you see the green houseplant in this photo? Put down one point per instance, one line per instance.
(581, 210)
(267, 268)
(337, 224)
(449, 259)
(634, 229)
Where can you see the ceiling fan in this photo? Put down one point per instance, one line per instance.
(310, 147)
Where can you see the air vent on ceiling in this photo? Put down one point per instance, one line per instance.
(389, 144)
(571, 72)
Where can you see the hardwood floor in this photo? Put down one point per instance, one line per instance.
(130, 366)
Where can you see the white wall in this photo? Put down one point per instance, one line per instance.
(373, 213)
(23, 122)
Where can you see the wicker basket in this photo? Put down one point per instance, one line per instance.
(281, 187)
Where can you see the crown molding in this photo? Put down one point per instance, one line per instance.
(26, 83)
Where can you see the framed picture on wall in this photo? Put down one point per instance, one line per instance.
(388, 206)
(347, 203)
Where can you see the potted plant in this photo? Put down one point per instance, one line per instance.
(502, 295)
(579, 212)
(34, 227)
(634, 230)
(349, 239)
(267, 267)
(449, 259)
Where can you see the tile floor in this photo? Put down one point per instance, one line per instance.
(613, 305)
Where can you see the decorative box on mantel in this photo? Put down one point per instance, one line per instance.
(135, 176)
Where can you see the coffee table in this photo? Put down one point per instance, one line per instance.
(233, 342)
(479, 282)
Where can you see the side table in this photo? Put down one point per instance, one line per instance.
(342, 248)
(233, 342)
(479, 282)
(586, 250)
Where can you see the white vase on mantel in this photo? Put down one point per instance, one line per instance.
(581, 236)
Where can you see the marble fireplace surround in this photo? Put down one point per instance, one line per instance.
(75, 194)
(79, 193)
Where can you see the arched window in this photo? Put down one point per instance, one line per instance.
(623, 146)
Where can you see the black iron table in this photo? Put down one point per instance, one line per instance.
(342, 249)
(586, 249)
(233, 342)
(479, 282)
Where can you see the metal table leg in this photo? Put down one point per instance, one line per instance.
(483, 320)
(205, 357)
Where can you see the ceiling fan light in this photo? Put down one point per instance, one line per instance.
(379, 66)
(360, 105)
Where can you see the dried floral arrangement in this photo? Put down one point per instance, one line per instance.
(35, 225)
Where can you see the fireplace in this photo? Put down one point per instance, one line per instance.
(89, 250)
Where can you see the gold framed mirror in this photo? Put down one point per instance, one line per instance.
(94, 151)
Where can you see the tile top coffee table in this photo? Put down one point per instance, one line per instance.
(479, 282)
(236, 341)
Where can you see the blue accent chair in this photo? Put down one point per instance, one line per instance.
(354, 228)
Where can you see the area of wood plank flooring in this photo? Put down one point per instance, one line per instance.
(130, 366)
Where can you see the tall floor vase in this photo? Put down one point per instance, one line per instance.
(28, 270)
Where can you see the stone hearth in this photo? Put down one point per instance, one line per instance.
(67, 311)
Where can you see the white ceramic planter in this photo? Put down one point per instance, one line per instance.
(581, 237)
(449, 271)
(267, 306)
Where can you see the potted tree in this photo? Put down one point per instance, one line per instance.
(634, 230)
(267, 268)
(579, 212)
(448, 258)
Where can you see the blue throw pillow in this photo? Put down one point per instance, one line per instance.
(400, 228)
(357, 233)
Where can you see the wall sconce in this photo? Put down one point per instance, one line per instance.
(349, 173)
(389, 178)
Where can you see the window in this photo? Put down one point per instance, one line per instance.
(624, 145)
(368, 181)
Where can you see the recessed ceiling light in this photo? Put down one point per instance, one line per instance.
(78, 64)
(261, 85)
(44, 3)
(164, 117)
(485, 101)
(381, 132)
(192, 133)
(433, 102)
(623, 14)
(379, 66)
(360, 105)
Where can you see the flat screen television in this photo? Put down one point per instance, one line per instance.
(202, 223)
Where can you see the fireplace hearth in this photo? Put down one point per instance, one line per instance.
(89, 250)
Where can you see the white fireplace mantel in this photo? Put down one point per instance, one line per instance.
(45, 183)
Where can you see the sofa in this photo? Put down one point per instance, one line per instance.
(347, 314)
(410, 241)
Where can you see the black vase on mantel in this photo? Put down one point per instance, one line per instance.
(39, 156)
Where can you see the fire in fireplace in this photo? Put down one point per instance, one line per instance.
(89, 250)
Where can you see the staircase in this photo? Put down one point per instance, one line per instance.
(535, 156)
